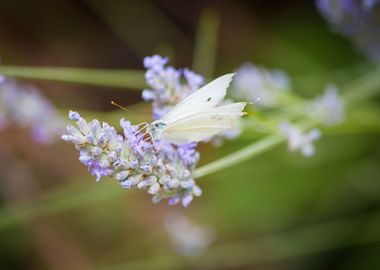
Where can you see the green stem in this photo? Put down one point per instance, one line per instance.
(364, 87)
(206, 43)
(133, 79)
(249, 151)
(239, 156)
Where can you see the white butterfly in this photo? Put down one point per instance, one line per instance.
(197, 117)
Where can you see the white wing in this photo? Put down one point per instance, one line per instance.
(205, 98)
(203, 125)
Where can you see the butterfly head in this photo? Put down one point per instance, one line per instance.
(155, 129)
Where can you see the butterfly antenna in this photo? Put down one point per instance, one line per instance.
(143, 124)
(119, 106)
(255, 101)
(148, 138)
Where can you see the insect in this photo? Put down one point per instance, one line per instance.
(198, 116)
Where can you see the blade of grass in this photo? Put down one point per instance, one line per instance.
(132, 79)
(363, 87)
(64, 199)
(246, 153)
(288, 245)
(206, 43)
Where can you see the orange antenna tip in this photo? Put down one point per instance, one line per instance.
(119, 106)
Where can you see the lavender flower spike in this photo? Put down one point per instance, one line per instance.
(357, 20)
(254, 84)
(24, 106)
(329, 107)
(162, 169)
(298, 140)
(166, 84)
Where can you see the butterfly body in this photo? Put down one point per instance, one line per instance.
(197, 117)
(155, 129)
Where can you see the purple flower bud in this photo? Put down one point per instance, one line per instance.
(74, 115)
(197, 191)
(97, 151)
(122, 175)
(188, 197)
(155, 62)
(154, 189)
(194, 80)
(148, 95)
(174, 200)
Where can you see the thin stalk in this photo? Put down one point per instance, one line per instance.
(133, 79)
(239, 156)
(248, 152)
(206, 43)
(288, 245)
(364, 87)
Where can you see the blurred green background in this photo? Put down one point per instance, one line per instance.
(276, 211)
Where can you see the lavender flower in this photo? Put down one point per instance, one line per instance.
(329, 107)
(259, 85)
(358, 20)
(166, 84)
(298, 140)
(188, 238)
(24, 106)
(162, 169)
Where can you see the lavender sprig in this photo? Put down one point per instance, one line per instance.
(162, 169)
(299, 141)
(329, 107)
(168, 85)
(259, 85)
(24, 106)
(357, 20)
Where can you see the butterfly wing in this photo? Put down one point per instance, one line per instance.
(203, 125)
(205, 98)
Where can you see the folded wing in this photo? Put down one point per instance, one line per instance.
(203, 125)
(207, 97)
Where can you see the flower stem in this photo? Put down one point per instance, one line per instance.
(364, 87)
(249, 151)
(133, 79)
(206, 43)
(239, 156)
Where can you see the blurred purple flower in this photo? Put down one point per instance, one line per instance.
(298, 140)
(25, 106)
(188, 238)
(329, 107)
(356, 19)
(258, 85)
